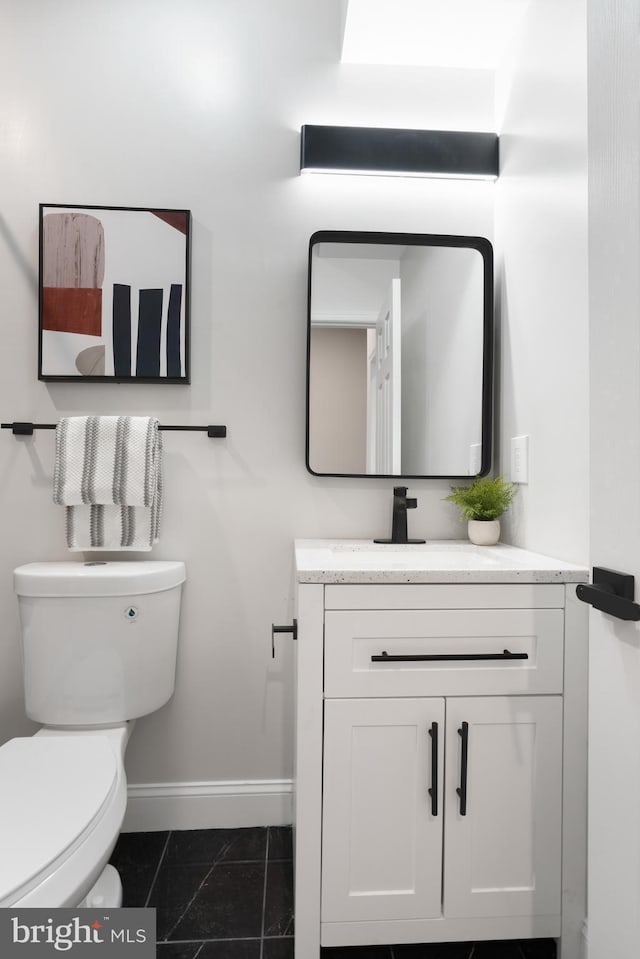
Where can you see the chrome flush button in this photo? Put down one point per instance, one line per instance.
(131, 613)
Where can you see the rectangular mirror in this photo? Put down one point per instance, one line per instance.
(399, 355)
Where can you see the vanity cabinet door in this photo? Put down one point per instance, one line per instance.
(382, 828)
(503, 851)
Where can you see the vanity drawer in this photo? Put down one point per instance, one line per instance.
(445, 596)
(361, 647)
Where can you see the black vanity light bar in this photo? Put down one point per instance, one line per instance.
(373, 150)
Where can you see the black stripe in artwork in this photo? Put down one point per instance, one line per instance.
(149, 324)
(174, 366)
(121, 329)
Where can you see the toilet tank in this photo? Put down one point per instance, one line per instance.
(99, 639)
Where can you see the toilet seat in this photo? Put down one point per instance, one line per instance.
(60, 798)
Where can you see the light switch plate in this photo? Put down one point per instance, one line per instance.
(519, 459)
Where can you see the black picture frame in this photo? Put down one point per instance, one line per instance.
(114, 294)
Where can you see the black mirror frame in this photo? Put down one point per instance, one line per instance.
(485, 248)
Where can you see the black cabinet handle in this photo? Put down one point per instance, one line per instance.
(463, 732)
(612, 592)
(384, 657)
(433, 789)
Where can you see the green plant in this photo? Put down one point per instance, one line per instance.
(485, 499)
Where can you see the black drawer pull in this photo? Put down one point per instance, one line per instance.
(463, 732)
(384, 657)
(433, 789)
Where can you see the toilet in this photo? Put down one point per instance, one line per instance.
(99, 644)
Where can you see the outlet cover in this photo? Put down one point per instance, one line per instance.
(475, 458)
(519, 459)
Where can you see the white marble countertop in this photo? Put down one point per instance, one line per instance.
(438, 561)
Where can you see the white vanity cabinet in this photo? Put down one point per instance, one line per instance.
(440, 774)
(384, 834)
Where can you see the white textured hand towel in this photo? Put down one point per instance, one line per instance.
(106, 459)
(111, 528)
(108, 474)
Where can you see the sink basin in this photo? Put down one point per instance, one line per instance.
(437, 555)
(368, 545)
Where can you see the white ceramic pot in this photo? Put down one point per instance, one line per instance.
(484, 532)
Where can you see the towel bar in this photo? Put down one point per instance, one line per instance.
(26, 429)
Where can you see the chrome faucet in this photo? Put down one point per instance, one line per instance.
(401, 503)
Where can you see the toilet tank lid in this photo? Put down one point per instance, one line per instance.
(95, 578)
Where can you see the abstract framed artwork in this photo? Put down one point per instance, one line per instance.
(114, 294)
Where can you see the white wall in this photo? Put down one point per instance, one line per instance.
(198, 105)
(541, 237)
(343, 285)
(614, 307)
(442, 346)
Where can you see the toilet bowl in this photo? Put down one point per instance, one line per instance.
(99, 649)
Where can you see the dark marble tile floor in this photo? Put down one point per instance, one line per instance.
(228, 894)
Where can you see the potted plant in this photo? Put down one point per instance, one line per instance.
(482, 504)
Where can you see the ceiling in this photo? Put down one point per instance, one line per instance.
(471, 34)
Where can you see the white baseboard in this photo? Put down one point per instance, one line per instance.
(152, 807)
